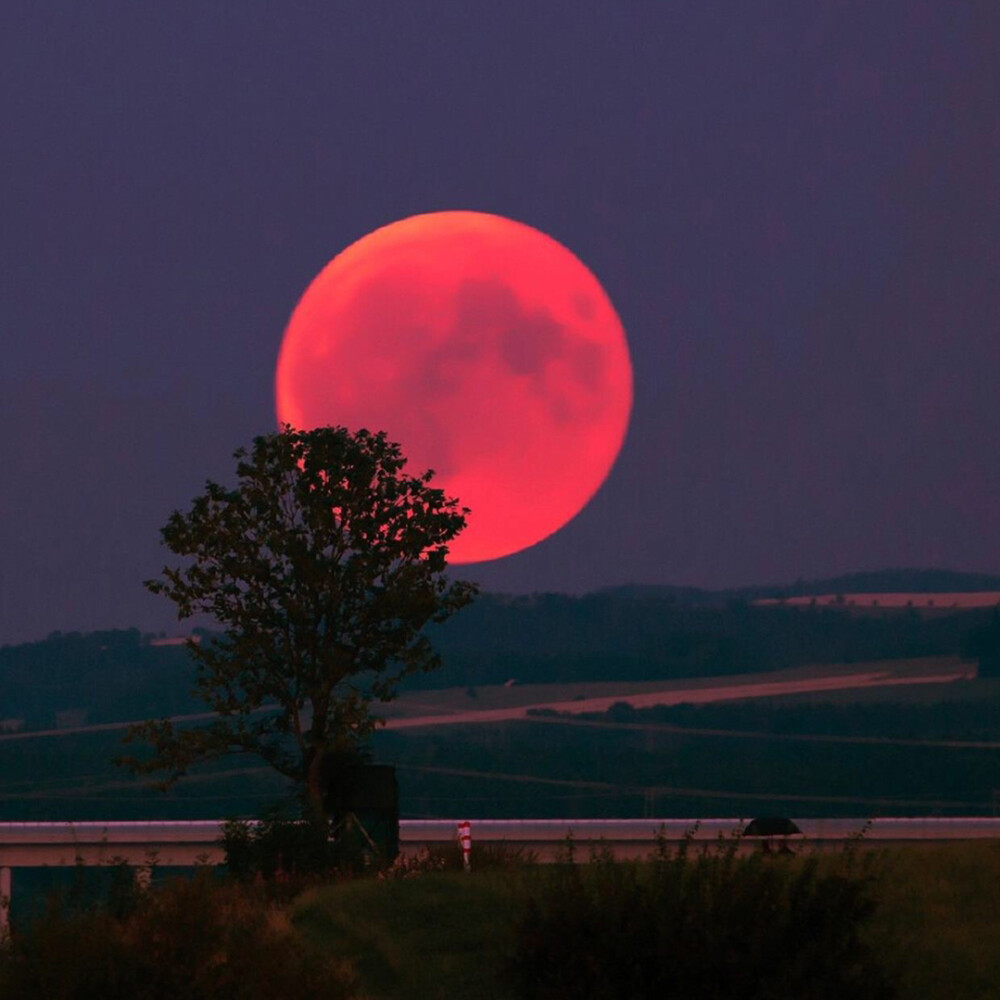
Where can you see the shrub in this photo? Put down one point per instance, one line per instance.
(422, 862)
(276, 848)
(189, 938)
(716, 926)
(483, 857)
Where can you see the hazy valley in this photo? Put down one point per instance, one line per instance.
(602, 705)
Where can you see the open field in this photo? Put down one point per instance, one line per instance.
(917, 746)
(454, 706)
(504, 703)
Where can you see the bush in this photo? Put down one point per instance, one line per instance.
(484, 856)
(717, 926)
(189, 938)
(276, 848)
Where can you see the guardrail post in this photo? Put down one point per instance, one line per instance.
(4, 902)
(465, 839)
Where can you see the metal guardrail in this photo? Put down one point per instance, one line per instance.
(646, 830)
(186, 843)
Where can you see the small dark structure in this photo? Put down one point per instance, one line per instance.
(363, 800)
(770, 826)
(773, 832)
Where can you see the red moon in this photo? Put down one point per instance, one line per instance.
(486, 349)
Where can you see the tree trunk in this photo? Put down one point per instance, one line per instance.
(315, 792)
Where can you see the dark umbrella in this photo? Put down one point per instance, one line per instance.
(770, 826)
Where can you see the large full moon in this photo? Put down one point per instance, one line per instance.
(486, 349)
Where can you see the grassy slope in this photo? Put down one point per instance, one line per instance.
(941, 904)
(438, 935)
(443, 934)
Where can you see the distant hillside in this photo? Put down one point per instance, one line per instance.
(633, 633)
(640, 633)
(83, 678)
(885, 581)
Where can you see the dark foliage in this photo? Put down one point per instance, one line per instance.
(276, 848)
(555, 638)
(955, 719)
(97, 676)
(718, 927)
(322, 566)
(983, 644)
(195, 939)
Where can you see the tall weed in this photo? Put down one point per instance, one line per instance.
(196, 939)
(719, 925)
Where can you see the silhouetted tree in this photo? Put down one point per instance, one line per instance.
(322, 566)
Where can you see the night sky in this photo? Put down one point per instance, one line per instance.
(794, 206)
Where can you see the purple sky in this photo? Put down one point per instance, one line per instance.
(795, 208)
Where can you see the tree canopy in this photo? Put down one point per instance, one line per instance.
(322, 567)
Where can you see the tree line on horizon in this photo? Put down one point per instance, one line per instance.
(121, 675)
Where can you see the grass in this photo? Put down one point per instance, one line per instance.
(444, 934)
(939, 920)
(437, 935)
